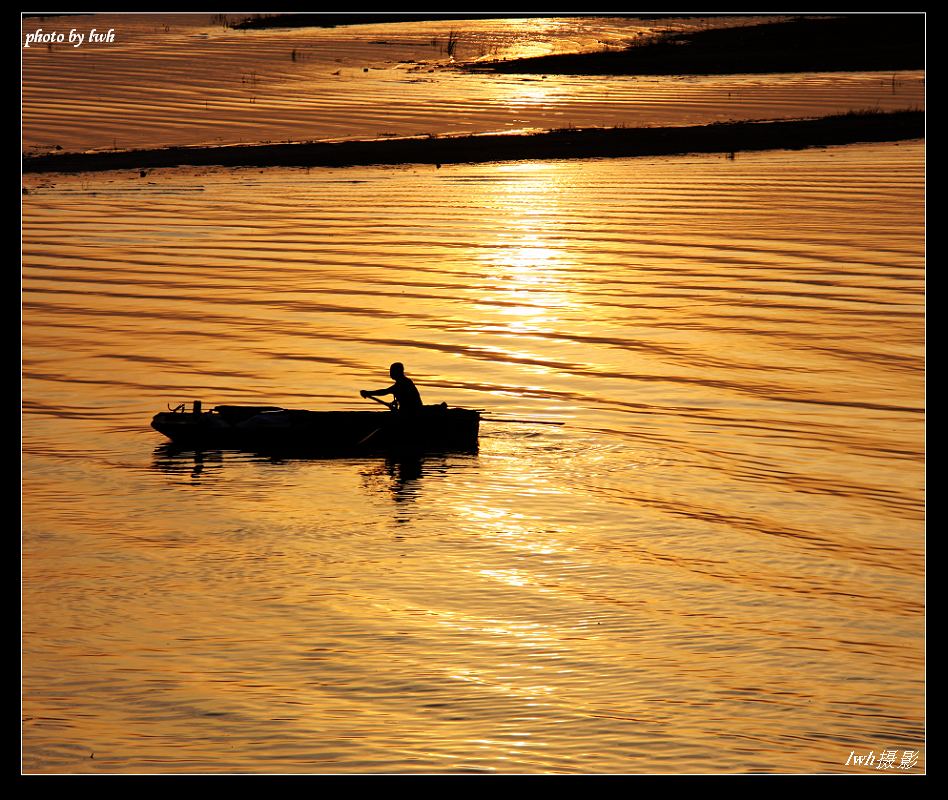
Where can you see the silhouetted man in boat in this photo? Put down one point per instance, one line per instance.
(407, 399)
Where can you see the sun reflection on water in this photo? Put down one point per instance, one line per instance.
(527, 93)
(530, 270)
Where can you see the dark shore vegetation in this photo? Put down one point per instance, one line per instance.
(857, 42)
(620, 142)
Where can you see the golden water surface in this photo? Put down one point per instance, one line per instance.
(715, 564)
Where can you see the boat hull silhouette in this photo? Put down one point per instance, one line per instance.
(270, 428)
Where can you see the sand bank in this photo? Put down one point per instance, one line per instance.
(556, 144)
(855, 43)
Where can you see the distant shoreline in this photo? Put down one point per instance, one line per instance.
(333, 19)
(569, 143)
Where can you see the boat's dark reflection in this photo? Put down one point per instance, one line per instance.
(200, 466)
(401, 476)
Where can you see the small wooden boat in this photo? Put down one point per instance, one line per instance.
(274, 429)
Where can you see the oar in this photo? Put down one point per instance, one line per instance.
(363, 441)
(377, 400)
(387, 405)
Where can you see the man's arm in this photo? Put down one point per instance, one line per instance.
(378, 392)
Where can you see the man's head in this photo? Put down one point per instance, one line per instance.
(396, 370)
